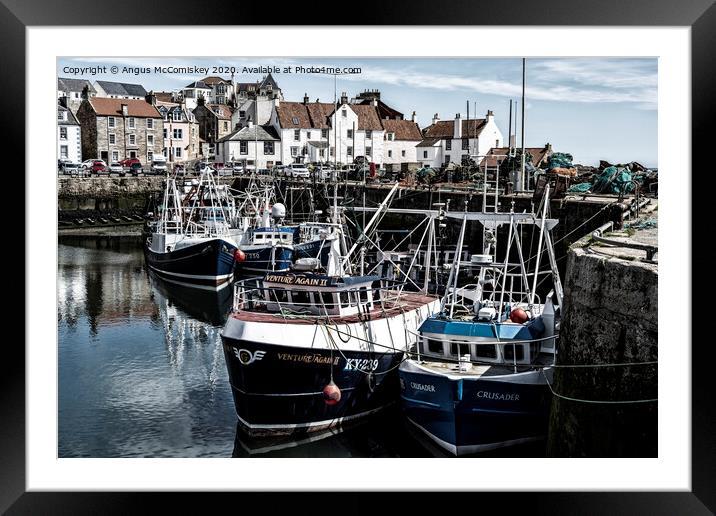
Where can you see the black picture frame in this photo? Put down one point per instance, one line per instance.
(699, 15)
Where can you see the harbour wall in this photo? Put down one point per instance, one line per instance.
(610, 317)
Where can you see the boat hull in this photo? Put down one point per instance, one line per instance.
(266, 259)
(278, 390)
(475, 414)
(207, 264)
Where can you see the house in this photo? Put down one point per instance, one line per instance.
(191, 93)
(372, 97)
(401, 140)
(324, 132)
(222, 90)
(256, 145)
(214, 122)
(68, 135)
(454, 140)
(72, 90)
(120, 90)
(115, 129)
(497, 155)
(255, 102)
(180, 132)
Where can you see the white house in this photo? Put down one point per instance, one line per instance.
(401, 140)
(181, 132)
(255, 145)
(69, 138)
(322, 132)
(191, 93)
(452, 140)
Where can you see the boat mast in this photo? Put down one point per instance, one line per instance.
(539, 243)
(521, 180)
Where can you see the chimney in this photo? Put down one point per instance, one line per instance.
(413, 117)
(124, 110)
(85, 92)
(436, 119)
(490, 116)
(457, 128)
(305, 98)
(249, 123)
(200, 100)
(151, 98)
(344, 98)
(374, 102)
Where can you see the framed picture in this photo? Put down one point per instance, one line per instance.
(100, 411)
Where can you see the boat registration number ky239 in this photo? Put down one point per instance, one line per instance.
(360, 364)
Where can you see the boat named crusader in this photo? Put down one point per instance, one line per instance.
(478, 377)
(192, 242)
(315, 346)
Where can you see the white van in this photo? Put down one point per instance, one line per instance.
(159, 164)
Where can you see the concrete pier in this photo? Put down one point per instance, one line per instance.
(610, 317)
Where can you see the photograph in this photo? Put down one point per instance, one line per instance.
(351, 257)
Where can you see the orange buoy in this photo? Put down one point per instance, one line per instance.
(331, 394)
(519, 316)
(239, 255)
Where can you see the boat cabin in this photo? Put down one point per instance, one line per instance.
(271, 236)
(319, 294)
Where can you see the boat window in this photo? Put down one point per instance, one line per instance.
(509, 353)
(279, 295)
(284, 237)
(363, 294)
(259, 237)
(435, 346)
(345, 299)
(486, 351)
(459, 349)
(328, 300)
(300, 297)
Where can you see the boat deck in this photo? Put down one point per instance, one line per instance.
(407, 302)
(479, 370)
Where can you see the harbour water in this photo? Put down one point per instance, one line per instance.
(142, 372)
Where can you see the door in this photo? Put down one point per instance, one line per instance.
(104, 155)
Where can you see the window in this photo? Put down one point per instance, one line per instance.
(150, 123)
(76, 95)
(132, 122)
(280, 296)
(333, 151)
(300, 297)
(164, 151)
(349, 133)
(390, 136)
(485, 351)
(466, 144)
(294, 151)
(297, 135)
(177, 152)
(112, 139)
(268, 147)
(63, 151)
(132, 139)
(390, 153)
(304, 150)
(176, 115)
(363, 294)
(322, 153)
(327, 298)
(178, 134)
(402, 153)
(150, 139)
(294, 120)
(242, 113)
(63, 133)
(243, 147)
(369, 133)
(111, 121)
(345, 299)
(349, 151)
(509, 351)
(60, 115)
(497, 143)
(132, 154)
(115, 155)
(308, 135)
(165, 132)
(369, 151)
(344, 113)
(324, 133)
(193, 131)
(447, 158)
(226, 126)
(425, 154)
(448, 144)
(150, 156)
(435, 346)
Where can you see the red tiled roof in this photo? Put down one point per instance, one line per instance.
(112, 107)
(288, 111)
(403, 129)
(496, 155)
(213, 80)
(445, 129)
(320, 112)
(222, 111)
(368, 118)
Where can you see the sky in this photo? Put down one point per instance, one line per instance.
(592, 108)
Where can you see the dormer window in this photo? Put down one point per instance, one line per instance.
(294, 120)
(344, 113)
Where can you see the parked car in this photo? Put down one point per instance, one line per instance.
(180, 169)
(115, 167)
(297, 170)
(222, 170)
(135, 168)
(69, 168)
(94, 166)
(199, 166)
(322, 174)
(129, 161)
(159, 165)
(237, 167)
(88, 164)
(264, 172)
(279, 170)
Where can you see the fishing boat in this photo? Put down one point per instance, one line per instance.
(318, 346)
(191, 242)
(269, 245)
(478, 377)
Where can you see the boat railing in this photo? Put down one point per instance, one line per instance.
(251, 296)
(551, 350)
(456, 296)
(201, 229)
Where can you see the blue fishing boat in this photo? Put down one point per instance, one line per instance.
(477, 379)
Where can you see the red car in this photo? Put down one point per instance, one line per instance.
(129, 161)
(98, 166)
